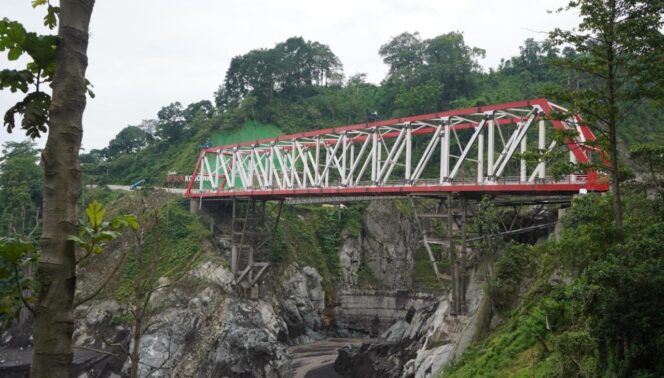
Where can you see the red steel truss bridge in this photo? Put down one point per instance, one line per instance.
(477, 150)
(442, 162)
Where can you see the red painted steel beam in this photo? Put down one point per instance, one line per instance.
(422, 189)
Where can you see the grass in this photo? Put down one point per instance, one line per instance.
(181, 239)
(423, 276)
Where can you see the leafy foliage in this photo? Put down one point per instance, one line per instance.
(289, 69)
(602, 320)
(20, 192)
(39, 70)
(96, 232)
(17, 259)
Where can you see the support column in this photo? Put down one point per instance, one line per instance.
(344, 153)
(572, 159)
(541, 144)
(463, 259)
(317, 169)
(379, 154)
(374, 156)
(480, 158)
(352, 163)
(490, 154)
(445, 154)
(409, 147)
(524, 146)
(234, 251)
(454, 272)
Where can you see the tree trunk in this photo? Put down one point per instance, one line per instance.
(54, 311)
(135, 352)
(613, 122)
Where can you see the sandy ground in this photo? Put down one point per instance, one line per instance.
(316, 360)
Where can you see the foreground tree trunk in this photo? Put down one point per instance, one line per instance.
(54, 311)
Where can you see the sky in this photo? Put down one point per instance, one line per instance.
(145, 54)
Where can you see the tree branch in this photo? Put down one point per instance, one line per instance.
(94, 350)
(103, 284)
(20, 291)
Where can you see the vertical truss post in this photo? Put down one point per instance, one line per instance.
(379, 150)
(349, 177)
(524, 173)
(480, 157)
(542, 146)
(200, 173)
(490, 153)
(374, 156)
(445, 153)
(572, 159)
(344, 153)
(409, 153)
(317, 170)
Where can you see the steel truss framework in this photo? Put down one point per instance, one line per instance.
(468, 150)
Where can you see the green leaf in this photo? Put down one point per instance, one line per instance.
(75, 239)
(127, 220)
(4, 273)
(95, 213)
(50, 20)
(13, 250)
(104, 235)
(14, 53)
(36, 3)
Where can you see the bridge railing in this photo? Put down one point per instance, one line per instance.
(568, 183)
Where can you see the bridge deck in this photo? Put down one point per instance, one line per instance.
(544, 187)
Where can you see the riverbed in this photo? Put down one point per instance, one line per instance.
(316, 360)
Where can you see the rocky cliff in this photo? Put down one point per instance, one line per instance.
(422, 342)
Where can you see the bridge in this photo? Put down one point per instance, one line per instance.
(474, 150)
(441, 162)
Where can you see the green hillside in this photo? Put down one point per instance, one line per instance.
(251, 130)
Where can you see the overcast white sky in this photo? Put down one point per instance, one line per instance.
(145, 54)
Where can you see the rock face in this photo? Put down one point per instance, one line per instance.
(205, 329)
(246, 343)
(419, 346)
(384, 251)
(386, 246)
(371, 311)
(303, 304)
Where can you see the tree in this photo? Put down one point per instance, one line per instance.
(443, 62)
(130, 139)
(292, 69)
(20, 193)
(453, 63)
(171, 124)
(203, 108)
(403, 54)
(620, 49)
(424, 98)
(54, 317)
(149, 126)
(650, 157)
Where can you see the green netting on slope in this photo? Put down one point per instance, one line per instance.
(250, 131)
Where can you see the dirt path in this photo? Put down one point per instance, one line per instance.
(316, 360)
